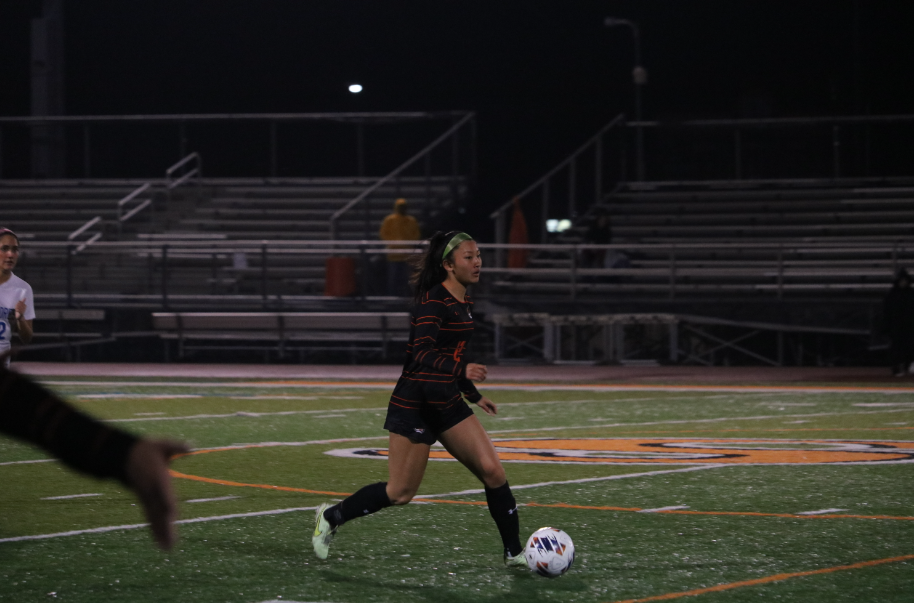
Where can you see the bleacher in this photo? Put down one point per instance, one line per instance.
(736, 211)
(209, 210)
(302, 208)
(52, 210)
(734, 238)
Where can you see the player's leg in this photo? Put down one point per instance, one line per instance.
(469, 443)
(406, 464)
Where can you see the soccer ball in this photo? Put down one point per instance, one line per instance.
(549, 552)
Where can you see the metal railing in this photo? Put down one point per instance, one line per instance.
(73, 237)
(793, 151)
(123, 213)
(572, 167)
(363, 199)
(179, 272)
(264, 140)
(181, 172)
(821, 147)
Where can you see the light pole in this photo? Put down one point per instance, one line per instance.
(639, 77)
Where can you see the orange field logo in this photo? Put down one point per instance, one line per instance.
(680, 451)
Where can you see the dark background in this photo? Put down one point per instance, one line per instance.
(542, 75)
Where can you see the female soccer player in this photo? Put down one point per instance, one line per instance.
(16, 306)
(427, 403)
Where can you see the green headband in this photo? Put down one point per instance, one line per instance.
(455, 242)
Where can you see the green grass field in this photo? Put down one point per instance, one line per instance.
(710, 494)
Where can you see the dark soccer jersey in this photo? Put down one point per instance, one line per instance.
(439, 333)
(32, 413)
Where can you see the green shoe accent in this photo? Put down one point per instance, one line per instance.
(516, 561)
(323, 533)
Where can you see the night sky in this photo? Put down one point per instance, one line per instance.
(542, 75)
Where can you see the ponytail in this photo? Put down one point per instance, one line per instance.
(428, 269)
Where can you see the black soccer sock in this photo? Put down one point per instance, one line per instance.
(366, 501)
(503, 509)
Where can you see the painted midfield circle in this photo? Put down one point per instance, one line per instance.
(668, 451)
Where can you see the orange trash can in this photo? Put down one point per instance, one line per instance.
(339, 277)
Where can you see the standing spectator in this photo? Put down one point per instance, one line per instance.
(399, 226)
(899, 322)
(17, 310)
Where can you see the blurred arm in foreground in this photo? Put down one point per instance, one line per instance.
(34, 414)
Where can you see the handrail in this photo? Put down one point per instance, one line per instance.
(197, 171)
(356, 117)
(121, 217)
(83, 229)
(380, 182)
(615, 121)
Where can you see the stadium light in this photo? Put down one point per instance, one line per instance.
(355, 88)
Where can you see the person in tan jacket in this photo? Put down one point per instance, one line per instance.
(399, 226)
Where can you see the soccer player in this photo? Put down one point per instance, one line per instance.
(17, 309)
(427, 404)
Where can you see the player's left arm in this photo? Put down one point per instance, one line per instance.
(487, 405)
(24, 326)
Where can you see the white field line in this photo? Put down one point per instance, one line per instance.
(242, 413)
(137, 396)
(744, 389)
(658, 509)
(29, 462)
(134, 526)
(296, 509)
(216, 499)
(579, 481)
(715, 420)
(246, 414)
(501, 431)
(70, 496)
(822, 512)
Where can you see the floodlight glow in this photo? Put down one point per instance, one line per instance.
(355, 88)
(558, 225)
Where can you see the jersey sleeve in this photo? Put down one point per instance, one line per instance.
(29, 313)
(468, 389)
(31, 413)
(427, 319)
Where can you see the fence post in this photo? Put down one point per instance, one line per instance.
(426, 207)
(500, 238)
(836, 151)
(780, 272)
(598, 171)
(69, 276)
(165, 276)
(738, 153)
(574, 272)
(86, 146)
(263, 274)
(274, 157)
(545, 211)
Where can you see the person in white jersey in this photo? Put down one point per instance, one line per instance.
(17, 309)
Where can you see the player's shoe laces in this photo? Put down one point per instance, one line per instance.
(323, 533)
(516, 561)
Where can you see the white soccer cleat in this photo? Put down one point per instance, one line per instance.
(323, 533)
(516, 561)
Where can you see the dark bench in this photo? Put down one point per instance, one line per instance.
(283, 331)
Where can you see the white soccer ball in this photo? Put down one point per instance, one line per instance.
(549, 552)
